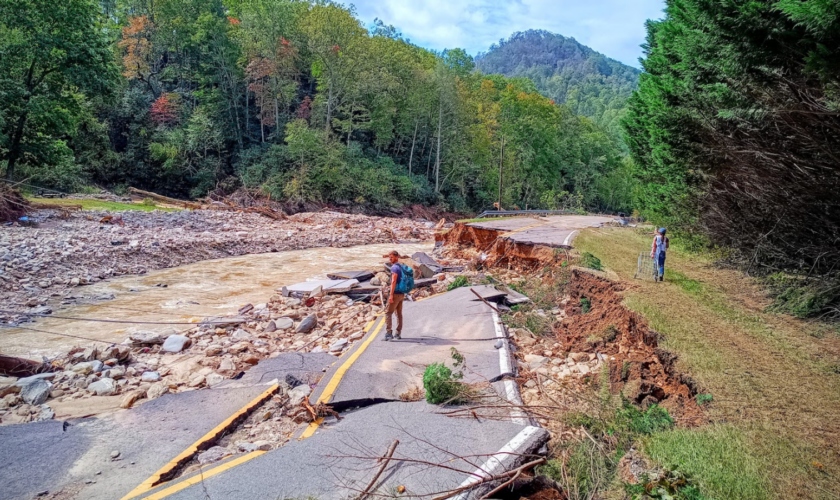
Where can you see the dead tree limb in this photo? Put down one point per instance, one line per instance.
(385, 461)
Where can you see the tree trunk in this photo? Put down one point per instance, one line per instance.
(329, 109)
(276, 111)
(413, 142)
(437, 154)
(14, 147)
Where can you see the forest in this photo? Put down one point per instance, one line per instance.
(296, 100)
(562, 69)
(735, 136)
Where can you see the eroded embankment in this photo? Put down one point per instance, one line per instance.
(597, 321)
(493, 249)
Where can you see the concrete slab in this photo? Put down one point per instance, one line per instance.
(350, 275)
(340, 459)
(46, 456)
(326, 286)
(553, 231)
(385, 370)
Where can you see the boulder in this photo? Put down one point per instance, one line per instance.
(36, 392)
(87, 367)
(213, 454)
(213, 350)
(535, 361)
(103, 387)
(214, 379)
(147, 338)
(307, 324)
(176, 343)
(271, 327)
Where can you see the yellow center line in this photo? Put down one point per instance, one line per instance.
(202, 476)
(331, 387)
(155, 478)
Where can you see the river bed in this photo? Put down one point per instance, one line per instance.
(187, 294)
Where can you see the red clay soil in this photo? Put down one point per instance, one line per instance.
(645, 373)
(500, 251)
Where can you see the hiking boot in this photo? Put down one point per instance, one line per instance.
(388, 336)
(398, 336)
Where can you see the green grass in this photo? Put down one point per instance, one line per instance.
(590, 261)
(684, 282)
(717, 457)
(109, 206)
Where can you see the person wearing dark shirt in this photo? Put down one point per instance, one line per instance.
(395, 300)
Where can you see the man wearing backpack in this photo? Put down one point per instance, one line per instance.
(402, 280)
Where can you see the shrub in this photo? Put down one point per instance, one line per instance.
(148, 202)
(585, 305)
(442, 384)
(459, 282)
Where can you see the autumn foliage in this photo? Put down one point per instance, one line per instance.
(165, 109)
(136, 46)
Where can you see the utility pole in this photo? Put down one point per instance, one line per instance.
(501, 164)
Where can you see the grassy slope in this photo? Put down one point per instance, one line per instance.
(110, 206)
(774, 428)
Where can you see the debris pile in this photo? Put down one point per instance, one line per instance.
(152, 363)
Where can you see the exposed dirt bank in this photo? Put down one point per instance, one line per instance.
(491, 248)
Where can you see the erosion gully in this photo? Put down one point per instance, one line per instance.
(185, 294)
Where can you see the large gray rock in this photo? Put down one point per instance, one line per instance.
(176, 343)
(36, 392)
(307, 324)
(213, 454)
(338, 345)
(28, 380)
(103, 387)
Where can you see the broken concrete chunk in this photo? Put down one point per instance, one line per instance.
(213, 379)
(307, 324)
(220, 322)
(176, 343)
(28, 380)
(36, 392)
(338, 345)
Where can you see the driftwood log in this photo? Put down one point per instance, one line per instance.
(165, 199)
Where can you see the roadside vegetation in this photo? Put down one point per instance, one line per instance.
(768, 382)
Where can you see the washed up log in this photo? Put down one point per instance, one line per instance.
(11, 366)
(267, 212)
(165, 199)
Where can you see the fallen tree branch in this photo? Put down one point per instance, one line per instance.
(165, 199)
(385, 461)
(504, 475)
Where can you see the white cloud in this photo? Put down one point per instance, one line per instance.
(612, 27)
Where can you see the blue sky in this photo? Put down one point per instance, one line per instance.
(613, 27)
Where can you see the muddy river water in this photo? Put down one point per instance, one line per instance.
(191, 293)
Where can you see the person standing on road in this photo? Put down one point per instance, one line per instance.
(395, 300)
(657, 253)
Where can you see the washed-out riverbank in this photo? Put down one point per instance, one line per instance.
(43, 265)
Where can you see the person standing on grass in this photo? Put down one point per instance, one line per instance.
(395, 300)
(657, 253)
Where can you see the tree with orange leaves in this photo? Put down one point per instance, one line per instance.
(137, 46)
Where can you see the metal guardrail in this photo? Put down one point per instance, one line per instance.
(501, 213)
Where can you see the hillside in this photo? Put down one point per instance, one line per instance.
(562, 69)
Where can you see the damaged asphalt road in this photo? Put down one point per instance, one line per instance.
(332, 458)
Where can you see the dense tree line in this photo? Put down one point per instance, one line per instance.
(297, 99)
(735, 132)
(562, 69)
